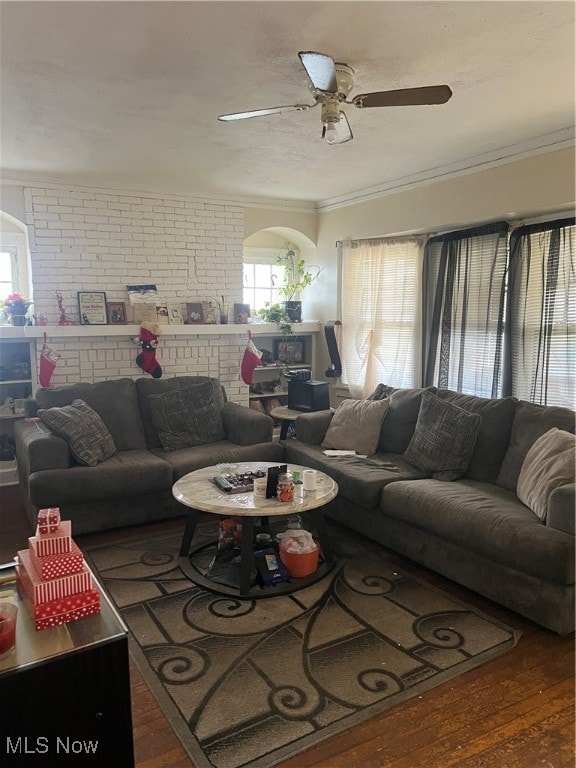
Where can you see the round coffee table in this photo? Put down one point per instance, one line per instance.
(197, 491)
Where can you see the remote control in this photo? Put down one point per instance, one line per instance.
(222, 483)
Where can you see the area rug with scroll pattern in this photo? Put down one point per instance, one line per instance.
(253, 682)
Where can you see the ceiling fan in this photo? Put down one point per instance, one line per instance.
(331, 83)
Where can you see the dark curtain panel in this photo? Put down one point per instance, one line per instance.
(541, 356)
(464, 294)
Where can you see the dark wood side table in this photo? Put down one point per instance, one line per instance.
(287, 416)
(65, 693)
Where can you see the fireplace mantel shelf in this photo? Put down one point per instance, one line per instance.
(78, 331)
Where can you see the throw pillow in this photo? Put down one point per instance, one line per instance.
(188, 416)
(381, 392)
(549, 464)
(87, 436)
(356, 426)
(444, 438)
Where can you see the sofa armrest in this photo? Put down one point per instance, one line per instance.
(37, 449)
(311, 428)
(245, 426)
(561, 505)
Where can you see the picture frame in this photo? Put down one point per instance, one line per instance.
(241, 313)
(116, 312)
(209, 313)
(194, 313)
(144, 312)
(92, 308)
(290, 351)
(175, 314)
(162, 316)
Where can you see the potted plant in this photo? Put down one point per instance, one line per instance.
(276, 313)
(15, 307)
(296, 277)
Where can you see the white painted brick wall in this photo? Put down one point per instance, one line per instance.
(97, 358)
(84, 240)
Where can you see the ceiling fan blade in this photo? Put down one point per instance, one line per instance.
(432, 94)
(263, 112)
(343, 131)
(320, 69)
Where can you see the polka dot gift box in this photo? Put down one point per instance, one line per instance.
(53, 578)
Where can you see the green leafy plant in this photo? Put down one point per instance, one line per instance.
(275, 313)
(296, 275)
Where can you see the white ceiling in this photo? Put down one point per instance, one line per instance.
(127, 94)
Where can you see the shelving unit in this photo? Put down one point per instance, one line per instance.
(17, 379)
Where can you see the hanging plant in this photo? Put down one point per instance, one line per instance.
(276, 313)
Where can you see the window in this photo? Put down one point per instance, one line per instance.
(8, 272)
(262, 276)
(380, 313)
(542, 315)
(464, 301)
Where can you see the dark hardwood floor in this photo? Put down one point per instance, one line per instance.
(514, 712)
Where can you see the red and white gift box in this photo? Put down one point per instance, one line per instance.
(52, 566)
(54, 589)
(48, 520)
(60, 611)
(57, 543)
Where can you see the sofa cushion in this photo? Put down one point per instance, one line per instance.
(398, 426)
(127, 474)
(148, 386)
(530, 422)
(188, 416)
(356, 425)
(188, 459)
(359, 480)
(443, 439)
(89, 440)
(484, 519)
(115, 401)
(493, 433)
(549, 464)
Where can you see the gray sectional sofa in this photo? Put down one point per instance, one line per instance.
(474, 530)
(134, 485)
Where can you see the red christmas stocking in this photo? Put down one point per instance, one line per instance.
(146, 359)
(48, 359)
(250, 360)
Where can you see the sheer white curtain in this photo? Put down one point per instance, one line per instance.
(381, 313)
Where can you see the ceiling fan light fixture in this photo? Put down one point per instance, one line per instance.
(330, 132)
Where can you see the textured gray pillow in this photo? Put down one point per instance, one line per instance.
(356, 426)
(444, 438)
(381, 392)
(188, 416)
(83, 429)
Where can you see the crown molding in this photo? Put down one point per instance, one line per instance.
(550, 142)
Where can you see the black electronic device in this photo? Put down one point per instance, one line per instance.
(308, 395)
(299, 374)
(272, 483)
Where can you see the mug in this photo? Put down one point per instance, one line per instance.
(309, 479)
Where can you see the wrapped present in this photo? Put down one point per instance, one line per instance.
(48, 520)
(57, 543)
(52, 566)
(45, 591)
(59, 611)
